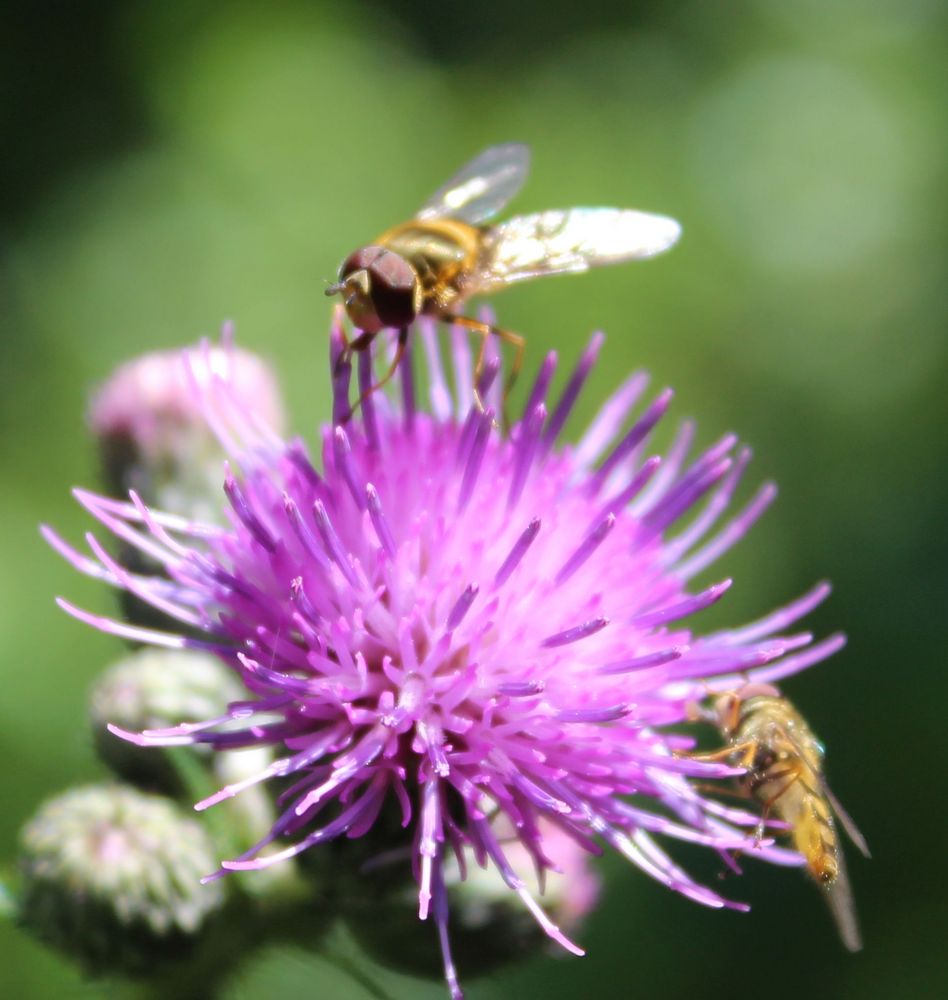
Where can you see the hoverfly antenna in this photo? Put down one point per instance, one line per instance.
(335, 288)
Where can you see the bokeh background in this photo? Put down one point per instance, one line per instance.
(166, 166)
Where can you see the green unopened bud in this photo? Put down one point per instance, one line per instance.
(112, 877)
(155, 689)
(158, 689)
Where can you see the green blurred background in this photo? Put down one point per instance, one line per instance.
(170, 165)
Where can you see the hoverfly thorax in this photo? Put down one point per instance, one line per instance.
(734, 707)
(379, 288)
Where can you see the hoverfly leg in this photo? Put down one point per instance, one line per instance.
(342, 369)
(361, 343)
(520, 346)
(349, 347)
(485, 330)
(710, 789)
(744, 751)
(794, 773)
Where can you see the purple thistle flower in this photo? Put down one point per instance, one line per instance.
(484, 629)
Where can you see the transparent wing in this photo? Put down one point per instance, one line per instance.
(846, 821)
(480, 189)
(839, 896)
(570, 240)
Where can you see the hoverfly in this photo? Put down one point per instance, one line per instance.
(431, 265)
(784, 760)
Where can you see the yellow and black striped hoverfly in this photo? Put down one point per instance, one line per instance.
(432, 264)
(784, 771)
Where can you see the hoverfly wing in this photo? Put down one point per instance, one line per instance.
(846, 822)
(570, 240)
(481, 188)
(839, 897)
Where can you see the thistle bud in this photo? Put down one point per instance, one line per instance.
(112, 877)
(153, 429)
(152, 420)
(570, 892)
(488, 927)
(152, 689)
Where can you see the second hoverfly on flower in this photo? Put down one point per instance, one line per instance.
(783, 759)
(431, 265)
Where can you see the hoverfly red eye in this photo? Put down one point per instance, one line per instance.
(360, 260)
(380, 288)
(394, 288)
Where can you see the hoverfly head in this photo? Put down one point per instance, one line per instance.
(727, 712)
(379, 288)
